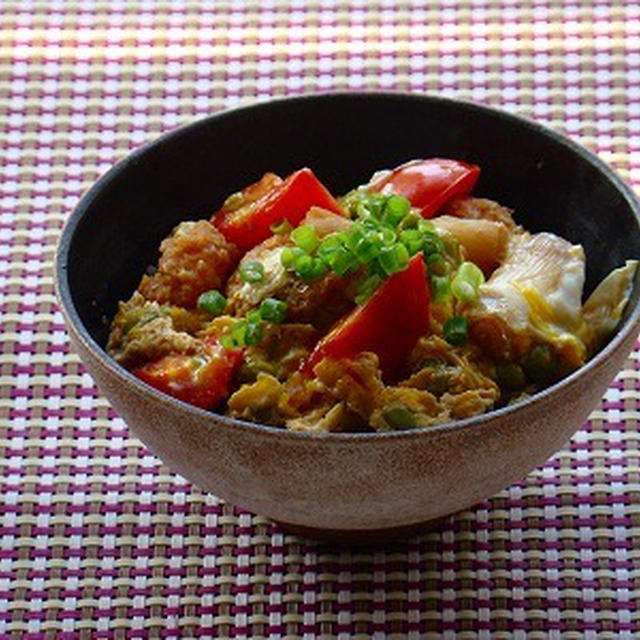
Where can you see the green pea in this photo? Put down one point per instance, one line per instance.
(510, 376)
(540, 364)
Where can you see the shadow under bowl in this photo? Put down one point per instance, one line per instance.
(355, 485)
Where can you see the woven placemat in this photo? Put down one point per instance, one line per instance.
(97, 538)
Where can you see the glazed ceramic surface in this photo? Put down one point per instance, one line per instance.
(351, 482)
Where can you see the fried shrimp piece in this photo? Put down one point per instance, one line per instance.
(195, 258)
(319, 302)
(485, 241)
(480, 209)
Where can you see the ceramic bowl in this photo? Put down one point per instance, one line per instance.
(348, 484)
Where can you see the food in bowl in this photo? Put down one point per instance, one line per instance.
(406, 303)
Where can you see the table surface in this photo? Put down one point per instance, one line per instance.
(97, 538)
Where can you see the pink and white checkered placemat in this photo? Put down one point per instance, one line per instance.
(97, 538)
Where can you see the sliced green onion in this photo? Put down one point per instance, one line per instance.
(213, 302)
(273, 310)
(305, 237)
(431, 242)
(309, 268)
(244, 333)
(289, 256)
(281, 228)
(316, 270)
(252, 271)
(253, 333)
(371, 241)
(455, 330)
(395, 209)
(237, 331)
(412, 239)
(366, 205)
(437, 265)
(411, 220)
(235, 338)
(394, 258)
(372, 224)
(233, 202)
(399, 418)
(228, 342)
(440, 289)
(463, 290)
(343, 236)
(426, 226)
(368, 247)
(375, 203)
(329, 243)
(466, 282)
(356, 233)
(388, 235)
(341, 261)
(470, 272)
(367, 288)
(303, 265)
(361, 211)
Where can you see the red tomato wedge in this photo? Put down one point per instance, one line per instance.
(290, 199)
(389, 323)
(429, 184)
(201, 380)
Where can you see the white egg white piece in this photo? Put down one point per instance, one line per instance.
(604, 307)
(535, 297)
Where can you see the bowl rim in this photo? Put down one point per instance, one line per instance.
(73, 319)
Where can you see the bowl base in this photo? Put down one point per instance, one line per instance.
(362, 537)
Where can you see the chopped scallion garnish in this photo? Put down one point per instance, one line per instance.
(233, 202)
(281, 228)
(368, 247)
(305, 237)
(455, 330)
(470, 272)
(436, 264)
(431, 243)
(395, 209)
(440, 289)
(466, 282)
(303, 265)
(394, 258)
(253, 333)
(412, 239)
(410, 221)
(341, 261)
(244, 333)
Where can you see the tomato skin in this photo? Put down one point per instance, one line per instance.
(201, 380)
(290, 199)
(389, 323)
(429, 184)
